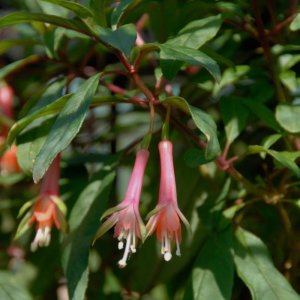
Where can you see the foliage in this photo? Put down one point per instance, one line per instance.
(95, 80)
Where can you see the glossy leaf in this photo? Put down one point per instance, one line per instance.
(23, 17)
(255, 268)
(234, 115)
(212, 275)
(66, 126)
(197, 33)
(44, 111)
(17, 64)
(284, 158)
(119, 11)
(84, 222)
(122, 38)
(203, 121)
(189, 56)
(79, 10)
(288, 117)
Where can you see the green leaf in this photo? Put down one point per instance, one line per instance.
(197, 33)
(122, 38)
(45, 111)
(98, 7)
(30, 142)
(203, 121)
(189, 56)
(17, 64)
(11, 288)
(7, 44)
(84, 222)
(288, 117)
(119, 11)
(234, 115)
(286, 159)
(80, 10)
(295, 25)
(194, 157)
(263, 113)
(212, 275)
(66, 126)
(23, 17)
(254, 266)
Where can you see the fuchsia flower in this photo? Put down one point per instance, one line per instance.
(165, 219)
(125, 216)
(47, 209)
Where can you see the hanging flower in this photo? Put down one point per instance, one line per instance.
(47, 209)
(8, 161)
(165, 218)
(125, 216)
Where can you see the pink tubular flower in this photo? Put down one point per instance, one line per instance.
(47, 209)
(126, 216)
(165, 219)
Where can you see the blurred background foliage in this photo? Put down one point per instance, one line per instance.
(242, 203)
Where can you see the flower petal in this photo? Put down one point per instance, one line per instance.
(108, 224)
(112, 210)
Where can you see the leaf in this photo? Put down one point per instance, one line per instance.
(122, 38)
(84, 221)
(45, 111)
(119, 11)
(7, 44)
(203, 121)
(288, 117)
(196, 33)
(194, 157)
(295, 25)
(30, 142)
(11, 288)
(17, 64)
(284, 158)
(98, 7)
(66, 126)
(80, 10)
(234, 115)
(254, 266)
(263, 113)
(187, 55)
(24, 17)
(212, 275)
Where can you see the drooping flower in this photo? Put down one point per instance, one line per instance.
(8, 161)
(125, 216)
(165, 218)
(47, 209)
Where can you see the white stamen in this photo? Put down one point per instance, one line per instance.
(167, 256)
(120, 245)
(178, 253)
(122, 262)
(42, 238)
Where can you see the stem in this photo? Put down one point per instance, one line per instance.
(166, 125)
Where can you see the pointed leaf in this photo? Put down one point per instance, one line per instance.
(212, 275)
(203, 121)
(255, 268)
(84, 221)
(66, 126)
(189, 56)
(122, 38)
(196, 33)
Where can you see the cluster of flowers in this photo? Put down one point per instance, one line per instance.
(48, 209)
(164, 219)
